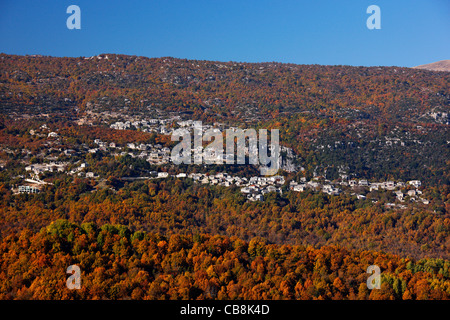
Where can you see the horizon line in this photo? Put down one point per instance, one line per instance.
(207, 60)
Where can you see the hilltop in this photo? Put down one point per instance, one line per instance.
(231, 91)
(443, 65)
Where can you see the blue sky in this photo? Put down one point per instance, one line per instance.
(327, 32)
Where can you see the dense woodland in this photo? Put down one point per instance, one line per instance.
(178, 206)
(174, 239)
(119, 264)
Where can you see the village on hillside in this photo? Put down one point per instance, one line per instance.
(254, 187)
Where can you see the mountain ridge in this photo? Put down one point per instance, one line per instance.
(221, 87)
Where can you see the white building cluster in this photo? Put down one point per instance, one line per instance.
(44, 167)
(332, 189)
(254, 187)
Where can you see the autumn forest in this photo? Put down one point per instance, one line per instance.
(85, 180)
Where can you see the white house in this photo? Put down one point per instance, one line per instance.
(245, 190)
(163, 174)
(363, 183)
(299, 188)
(28, 189)
(411, 193)
(259, 197)
(352, 183)
(399, 195)
(390, 185)
(415, 183)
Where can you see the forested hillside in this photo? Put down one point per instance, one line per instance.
(221, 91)
(177, 206)
(86, 179)
(119, 264)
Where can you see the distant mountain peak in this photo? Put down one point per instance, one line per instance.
(443, 65)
